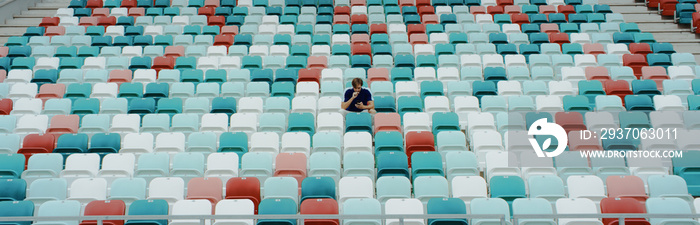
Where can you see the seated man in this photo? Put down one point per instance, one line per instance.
(358, 99)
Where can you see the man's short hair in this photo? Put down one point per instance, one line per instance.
(356, 82)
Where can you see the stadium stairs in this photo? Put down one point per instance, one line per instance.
(662, 27)
(17, 24)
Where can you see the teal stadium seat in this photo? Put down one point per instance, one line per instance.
(12, 164)
(17, 209)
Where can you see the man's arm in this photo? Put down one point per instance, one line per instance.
(370, 105)
(346, 104)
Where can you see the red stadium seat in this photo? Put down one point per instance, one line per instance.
(244, 188)
(309, 75)
(668, 7)
(566, 9)
(318, 62)
(63, 124)
(358, 2)
(416, 39)
(623, 206)
(211, 3)
(5, 106)
(617, 87)
(570, 121)
(3, 73)
(100, 12)
(420, 3)
(358, 19)
(55, 31)
(104, 208)
(88, 21)
(291, 165)
(361, 49)
(360, 39)
(657, 74)
(174, 51)
(377, 29)
(635, 61)
(504, 2)
(653, 3)
(415, 29)
(162, 62)
(520, 18)
(493, 10)
(128, 3)
(322, 206)
(597, 73)
(626, 187)
(208, 188)
(512, 9)
(49, 91)
(207, 11)
(559, 38)
(696, 22)
(49, 22)
(229, 30)
(403, 3)
(417, 141)
(654, 73)
(342, 10)
(425, 10)
(640, 48)
(477, 10)
(107, 21)
(593, 49)
(547, 9)
(549, 28)
(430, 19)
(387, 122)
(216, 21)
(137, 11)
(120, 76)
(576, 143)
(93, 4)
(341, 19)
(223, 39)
(36, 144)
(377, 74)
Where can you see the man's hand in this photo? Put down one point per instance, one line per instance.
(354, 94)
(359, 105)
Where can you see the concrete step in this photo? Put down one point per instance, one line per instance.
(23, 22)
(631, 10)
(37, 13)
(687, 47)
(675, 36)
(12, 31)
(53, 4)
(677, 31)
(646, 18)
(48, 7)
(618, 2)
(652, 27)
(662, 27)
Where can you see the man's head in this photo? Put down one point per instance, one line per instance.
(357, 84)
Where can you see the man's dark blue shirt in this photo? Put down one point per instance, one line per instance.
(364, 96)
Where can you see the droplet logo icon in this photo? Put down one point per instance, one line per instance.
(542, 127)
